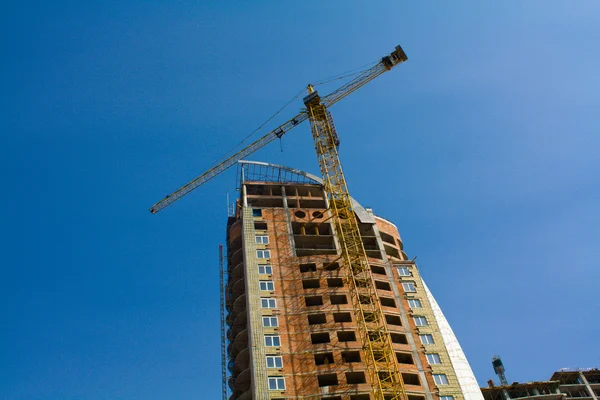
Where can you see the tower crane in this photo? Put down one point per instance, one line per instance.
(382, 366)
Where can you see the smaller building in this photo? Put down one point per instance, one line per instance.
(564, 384)
(581, 384)
(545, 390)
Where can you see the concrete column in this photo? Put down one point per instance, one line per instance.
(587, 386)
(288, 220)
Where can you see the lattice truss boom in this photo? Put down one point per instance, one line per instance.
(382, 366)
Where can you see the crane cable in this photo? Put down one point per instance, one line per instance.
(346, 74)
(232, 150)
(352, 72)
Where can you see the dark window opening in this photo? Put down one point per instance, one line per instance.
(300, 214)
(364, 299)
(378, 270)
(346, 336)
(387, 302)
(256, 212)
(404, 358)
(323, 358)
(354, 378)
(315, 319)
(318, 338)
(332, 266)
(260, 226)
(411, 379)
(311, 284)
(335, 282)
(327, 380)
(311, 267)
(360, 397)
(393, 320)
(413, 397)
(351, 356)
(338, 299)
(313, 301)
(398, 338)
(386, 237)
(383, 285)
(342, 317)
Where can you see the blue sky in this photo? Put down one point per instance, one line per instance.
(486, 145)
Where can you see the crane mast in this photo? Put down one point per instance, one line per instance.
(382, 365)
(384, 375)
(222, 274)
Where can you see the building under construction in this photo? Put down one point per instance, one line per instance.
(291, 328)
(319, 300)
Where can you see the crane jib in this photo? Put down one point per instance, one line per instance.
(385, 64)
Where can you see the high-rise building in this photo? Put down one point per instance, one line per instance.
(291, 332)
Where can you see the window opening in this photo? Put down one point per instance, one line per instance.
(433, 358)
(409, 287)
(426, 339)
(276, 383)
(274, 362)
(327, 380)
(268, 303)
(338, 299)
(272, 341)
(263, 254)
(313, 301)
(262, 239)
(265, 269)
(270, 322)
(266, 285)
(440, 379)
(414, 303)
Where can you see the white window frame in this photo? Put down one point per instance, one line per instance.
(272, 339)
(266, 285)
(263, 254)
(433, 358)
(263, 269)
(278, 381)
(404, 271)
(415, 303)
(420, 320)
(409, 287)
(270, 321)
(269, 301)
(262, 239)
(440, 379)
(427, 337)
(274, 361)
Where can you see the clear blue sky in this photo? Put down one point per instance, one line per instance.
(487, 158)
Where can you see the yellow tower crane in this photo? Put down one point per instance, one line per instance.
(382, 366)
